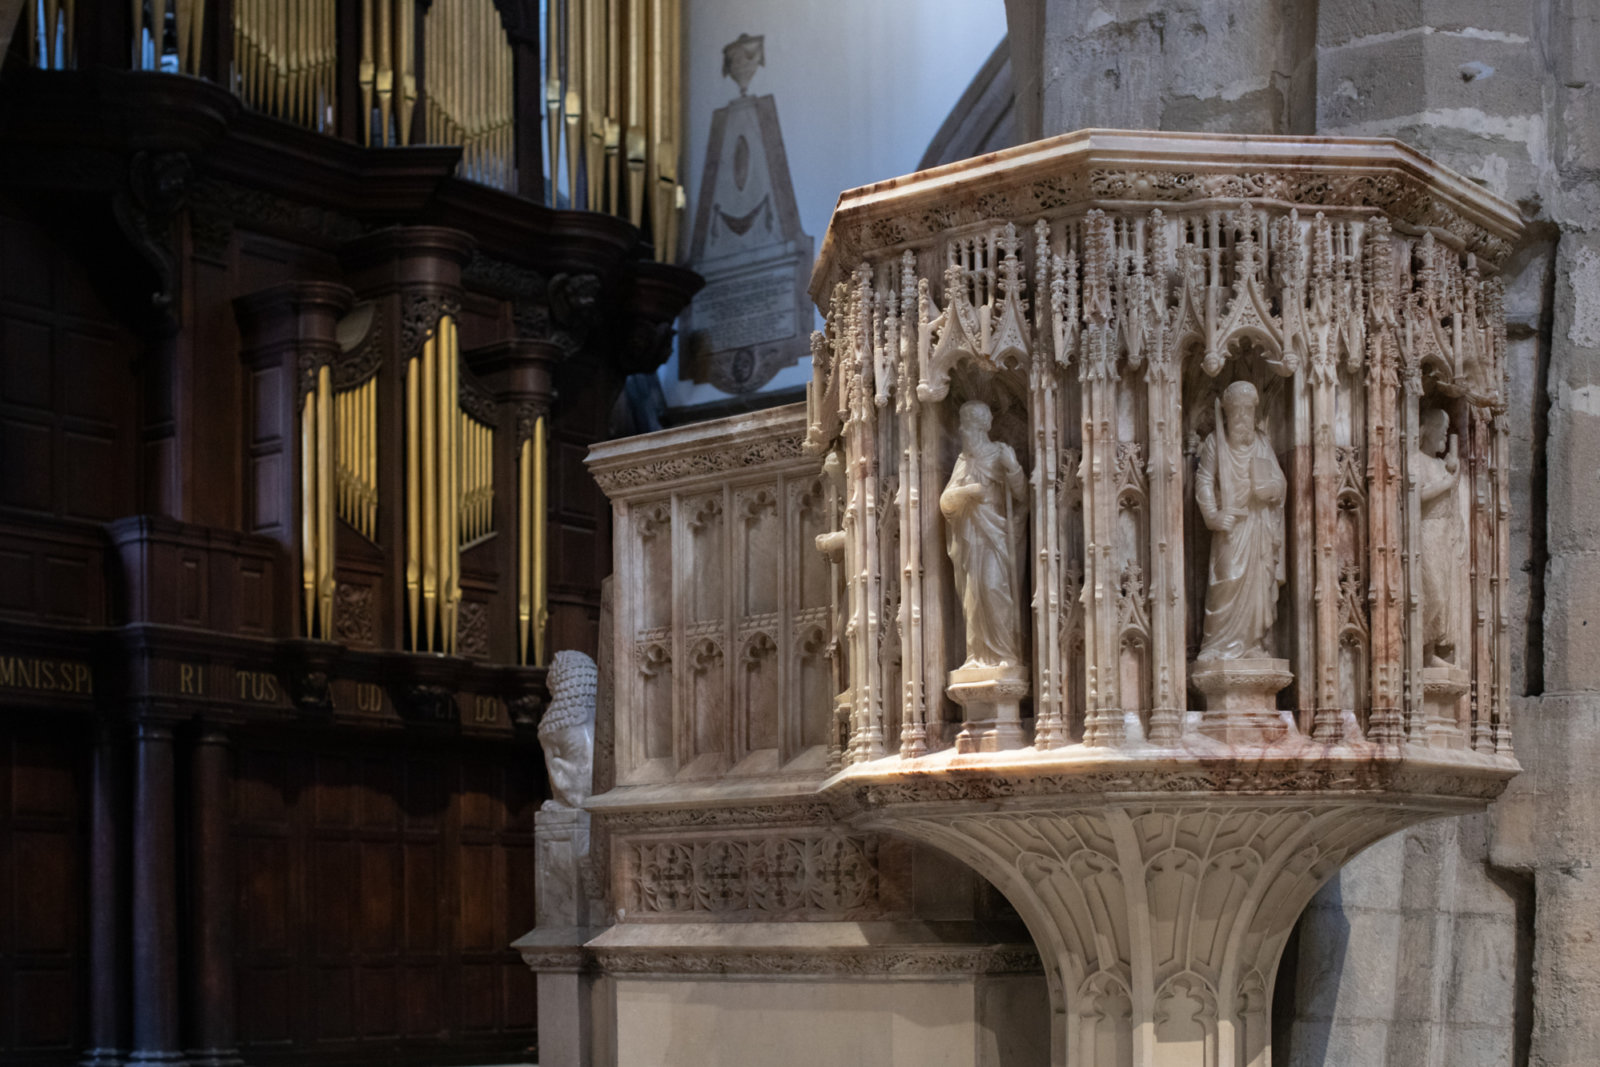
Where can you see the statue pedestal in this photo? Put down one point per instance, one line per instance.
(992, 699)
(1442, 689)
(1241, 699)
(554, 947)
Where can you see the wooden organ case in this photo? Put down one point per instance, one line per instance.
(299, 362)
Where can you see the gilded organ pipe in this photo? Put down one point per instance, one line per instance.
(552, 92)
(613, 121)
(574, 100)
(372, 462)
(405, 20)
(449, 488)
(613, 96)
(325, 543)
(285, 54)
(444, 513)
(524, 547)
(308, 508)
(538, 563)
(430, 487)
(318, 487)
(413, 497)
(596, 34)
(652, 98)
(388, 70)
(471, 89)
(634, 143)
(356, 430)
(477, 479)
(664, 134)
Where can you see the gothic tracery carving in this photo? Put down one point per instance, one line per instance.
(1114, 326)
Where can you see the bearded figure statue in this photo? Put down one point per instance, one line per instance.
(567, 730)
(1240, 489)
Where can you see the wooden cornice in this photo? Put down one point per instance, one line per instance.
(64, 130)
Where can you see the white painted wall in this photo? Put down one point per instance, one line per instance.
(861, 88)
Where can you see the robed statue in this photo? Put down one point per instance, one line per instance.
(984, 505)
(1240, 489)
(1444, 556)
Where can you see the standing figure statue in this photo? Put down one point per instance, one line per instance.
(983, 510)
(1444, 542)
(1240, 489)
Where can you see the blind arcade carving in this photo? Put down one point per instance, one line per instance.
(1108, 347)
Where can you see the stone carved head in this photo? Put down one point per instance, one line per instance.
(567, 730)
(975, 422)
(1435, 430)
(1239, 403)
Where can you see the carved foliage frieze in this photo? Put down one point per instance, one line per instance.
(743, 877)
(731, 460)
(419, 316)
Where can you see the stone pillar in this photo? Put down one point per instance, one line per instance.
(1507, 94)
(155, 898)
(107, 925)
(561, 842)
(1411, 957)
(1565, 820)
(212, 994)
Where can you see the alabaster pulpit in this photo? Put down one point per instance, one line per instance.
(1143, 548)
(1174, 550)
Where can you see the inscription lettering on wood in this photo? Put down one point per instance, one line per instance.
(257, 687)
(191, 679)
(369, 697)
(485, 711)
(46, 675)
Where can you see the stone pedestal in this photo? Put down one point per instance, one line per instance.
(992, 699)
(1241, 699)
(1442, 690)
(554, 948)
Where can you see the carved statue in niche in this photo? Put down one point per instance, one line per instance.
(832, 545)
(1240, 489)
(1444, 540)
(983, 506)
(567, 730)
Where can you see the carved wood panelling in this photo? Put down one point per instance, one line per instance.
(369, 884)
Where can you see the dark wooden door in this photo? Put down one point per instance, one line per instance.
(378, 889)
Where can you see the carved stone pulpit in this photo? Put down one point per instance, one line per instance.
(1248, 385)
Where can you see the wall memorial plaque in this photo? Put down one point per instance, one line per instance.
(753, 317)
